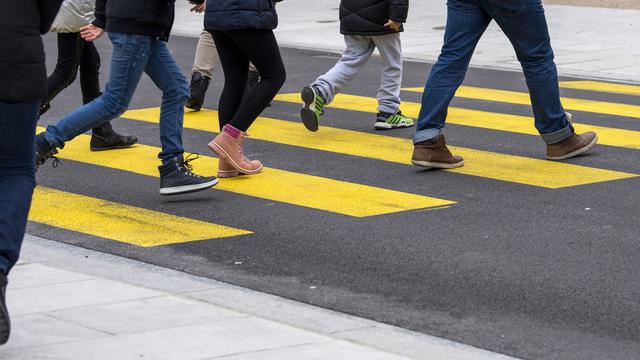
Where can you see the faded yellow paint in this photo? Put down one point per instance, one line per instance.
(599, 86)
(522, 98)
(120, 222)
(480, 163)
(278, 185)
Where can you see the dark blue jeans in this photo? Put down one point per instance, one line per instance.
(133, 55)
(524, 23)
(17, 175)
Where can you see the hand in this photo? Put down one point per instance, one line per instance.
(198, 8)
(394, 25)
(91, 32)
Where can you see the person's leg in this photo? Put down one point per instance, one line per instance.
(203, 65)
(206, 56)
(103, 137)
(176, 176)
(17, 180)
(129, 58)
(389, 115)
(70, 46)
(358, 50)
(17, 131)
(466, 22)
(234, 66)
(165, 73)
(261, 48)
(525, 25)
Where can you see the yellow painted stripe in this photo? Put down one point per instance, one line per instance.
(120, 222)
(599, 86)
(522, 98)
(486, 120)
(485, 164)
(278, 185)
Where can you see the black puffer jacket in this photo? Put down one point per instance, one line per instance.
(227, 15)
(23, 76)
(367, 17)
(138, 17)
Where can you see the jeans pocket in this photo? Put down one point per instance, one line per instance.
(508, 7)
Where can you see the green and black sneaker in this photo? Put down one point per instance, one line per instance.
(387, 121)
(313, 107)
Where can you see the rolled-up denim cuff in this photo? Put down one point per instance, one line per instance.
(424, 135)
(558, 136)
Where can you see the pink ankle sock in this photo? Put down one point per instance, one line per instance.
(232, 130)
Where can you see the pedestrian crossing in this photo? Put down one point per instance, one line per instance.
(522, 98)
(491, 165)
(143, 227)
(120, 222)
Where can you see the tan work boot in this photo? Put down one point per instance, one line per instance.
(226, 170)
(572, 146)
(230, 149)
(435, 154)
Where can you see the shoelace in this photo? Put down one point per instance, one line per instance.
(50, 155)
(186, 162)
(241, 149)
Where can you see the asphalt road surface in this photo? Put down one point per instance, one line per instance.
(510, 253)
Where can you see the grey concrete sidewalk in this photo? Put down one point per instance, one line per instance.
(589, 42)
(70, 303)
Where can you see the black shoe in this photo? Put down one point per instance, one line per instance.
(5, 321)
(45, 151)
(197, 90)
(105, 138)
(176, 177)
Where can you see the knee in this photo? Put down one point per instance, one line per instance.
(113, 106)
(178, 92)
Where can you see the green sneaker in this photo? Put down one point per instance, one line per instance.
(386, 121)
(311, 116)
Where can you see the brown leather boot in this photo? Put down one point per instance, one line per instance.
(572, 146)
(435, 154)
(230, 149)
(226, 170)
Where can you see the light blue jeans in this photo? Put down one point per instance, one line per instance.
(133, 55)
(524, 23)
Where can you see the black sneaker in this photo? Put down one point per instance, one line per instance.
(176, 177)
(45, 151)
(105, 138)
(5, 321)
(197, 91)
(313, 107)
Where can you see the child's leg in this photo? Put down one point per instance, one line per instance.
(390, 49)
(357, 52)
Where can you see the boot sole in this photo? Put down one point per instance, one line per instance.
(580, 151)
(229, 174)
(188, 188)
(436, 165)
(111, 147)
(223, 155)
(308, 116)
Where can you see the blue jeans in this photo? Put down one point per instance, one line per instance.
(132, 55)
(17, 175)
(524, 23)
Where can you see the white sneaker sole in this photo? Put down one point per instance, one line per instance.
(188, 188)
(385, 126)
(577, 152)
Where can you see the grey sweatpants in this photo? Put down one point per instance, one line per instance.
(207, 56)
(358, 50)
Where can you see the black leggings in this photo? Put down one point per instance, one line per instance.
(236, 49)
(74, 52)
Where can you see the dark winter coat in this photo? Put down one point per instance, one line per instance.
(367, 17)
(138, 17)
(23, 76)
(225, 15)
